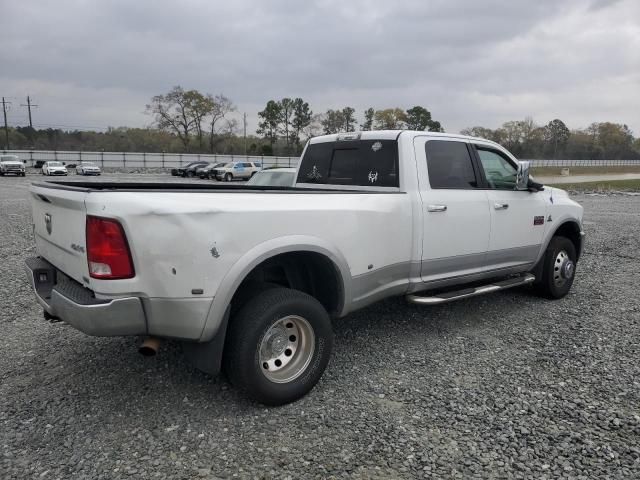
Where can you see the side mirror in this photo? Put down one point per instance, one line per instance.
(24, 161)
(522, 176)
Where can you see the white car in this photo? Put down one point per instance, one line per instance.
(236, 170)
(274, 177)
(11, 165)
(54, 168)
(88, 168)
(258, 274)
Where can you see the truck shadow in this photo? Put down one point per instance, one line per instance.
(115, 378)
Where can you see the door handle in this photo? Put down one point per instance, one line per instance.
(500, 206)
(436, 208)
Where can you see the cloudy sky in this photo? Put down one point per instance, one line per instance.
(93, 64)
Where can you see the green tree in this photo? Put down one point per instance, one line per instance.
(287, 107)
(349, 119)
(615, 140)
(556, 134)
(333, 121)
(302, 117)
(369, 114)
(270, 121)
(480, 132)
(390, 119)
(418, 118)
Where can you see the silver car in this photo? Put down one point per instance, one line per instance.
(274, 177)
(88, 168)
(236, 170)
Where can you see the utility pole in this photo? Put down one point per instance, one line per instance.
(29, 105)
(6, 127)
(244, 121)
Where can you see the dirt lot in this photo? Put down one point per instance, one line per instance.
(501, 386)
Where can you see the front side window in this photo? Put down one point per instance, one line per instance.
(449, 165)
(499, 172)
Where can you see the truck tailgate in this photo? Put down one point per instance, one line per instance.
(59, 218)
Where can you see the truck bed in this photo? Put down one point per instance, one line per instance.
(88, 186)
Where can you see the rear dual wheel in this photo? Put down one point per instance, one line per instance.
(278, 345)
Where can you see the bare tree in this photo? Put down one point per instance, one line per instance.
(219, 125)
(173, 112)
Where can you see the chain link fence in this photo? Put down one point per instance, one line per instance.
(142, 160)
(169, 160)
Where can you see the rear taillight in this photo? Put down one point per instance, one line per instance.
(107, 249)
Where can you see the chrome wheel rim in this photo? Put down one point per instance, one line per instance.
(286, 349)
(563, 269)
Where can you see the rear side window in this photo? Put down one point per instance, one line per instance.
(353, 162)
(449, 165)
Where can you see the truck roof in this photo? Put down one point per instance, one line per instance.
(390, 135)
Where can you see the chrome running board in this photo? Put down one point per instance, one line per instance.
(471, 292)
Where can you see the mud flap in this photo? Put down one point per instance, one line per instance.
(207, 356)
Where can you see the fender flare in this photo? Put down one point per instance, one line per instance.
(258, 254)
(547, 240)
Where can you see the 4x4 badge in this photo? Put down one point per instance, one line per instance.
(47, 223)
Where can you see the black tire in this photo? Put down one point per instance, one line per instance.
(246, 331)
(553, 267)
(228, 177)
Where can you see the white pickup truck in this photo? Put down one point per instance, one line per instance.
(248, 277)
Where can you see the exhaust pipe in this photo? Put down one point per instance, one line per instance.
(150, 346)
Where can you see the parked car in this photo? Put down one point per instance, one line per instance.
(11, 165)
(205, 172)
(88, 168)
(260, 273)
(54, 168)
(274, 177)
(188, 170)
(236, 170)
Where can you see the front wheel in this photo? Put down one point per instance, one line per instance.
(228, 177)
(278, 345)
(558, 268)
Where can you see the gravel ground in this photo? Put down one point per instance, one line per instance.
(501, 386)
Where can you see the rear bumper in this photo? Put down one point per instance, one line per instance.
(66, 299)
(63, 297)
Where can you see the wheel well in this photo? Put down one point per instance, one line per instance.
(570, 230)
(309, 272)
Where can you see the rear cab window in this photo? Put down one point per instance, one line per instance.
(359, 162)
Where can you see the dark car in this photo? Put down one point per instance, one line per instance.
(207, 170)
(188, 170)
